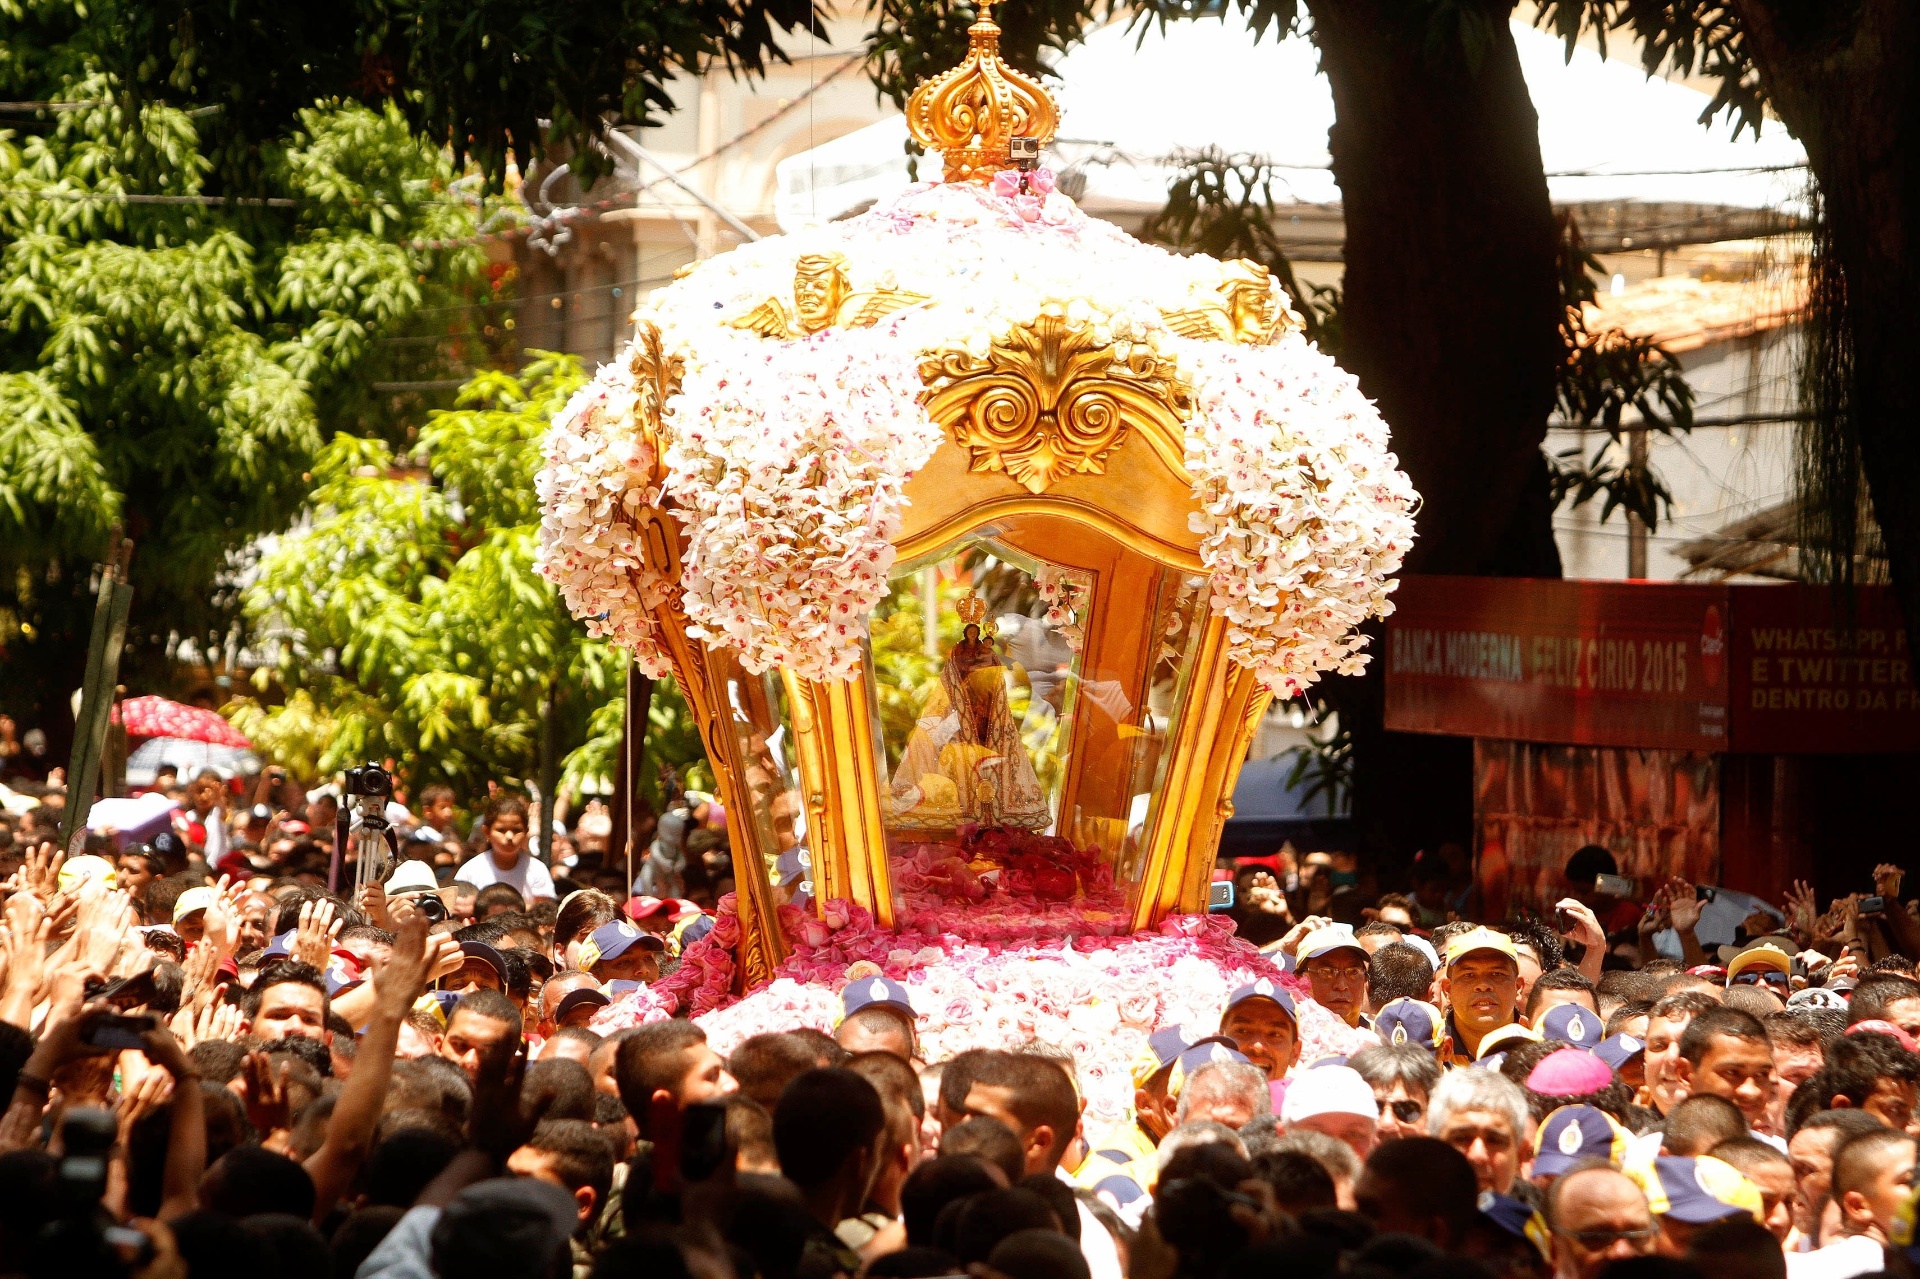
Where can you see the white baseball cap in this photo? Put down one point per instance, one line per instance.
(1328, 1090)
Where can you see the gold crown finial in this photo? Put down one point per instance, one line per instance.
(972, 114)
(971, 608)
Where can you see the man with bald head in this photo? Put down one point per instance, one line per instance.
(1598, 1215)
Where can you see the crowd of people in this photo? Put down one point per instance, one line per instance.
(218, 1066)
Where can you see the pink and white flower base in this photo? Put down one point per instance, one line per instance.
(991, 976)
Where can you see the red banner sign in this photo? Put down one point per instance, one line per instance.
(1805, 684)
(1763, 669)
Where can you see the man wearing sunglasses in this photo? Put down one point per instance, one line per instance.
(1598, 1216)
(1762, 965)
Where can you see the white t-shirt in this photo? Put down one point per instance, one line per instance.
(529, 876)
(1841, 1259)
(1096, 1245)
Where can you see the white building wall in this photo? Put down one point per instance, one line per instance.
(1718, 474)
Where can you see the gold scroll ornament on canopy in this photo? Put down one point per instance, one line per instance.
(1046, 402)
(972, 114)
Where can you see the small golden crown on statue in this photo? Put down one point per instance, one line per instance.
(974, 114)
(972, 609)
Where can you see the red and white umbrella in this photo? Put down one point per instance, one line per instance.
(158, 717)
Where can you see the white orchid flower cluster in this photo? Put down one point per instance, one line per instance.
(786, 461)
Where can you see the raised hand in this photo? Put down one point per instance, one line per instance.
(164, 1051)
(25, 927)
(223, 918)
(104, 928)
(373, 904)
(1657, 917)
(444, 957)
(313, 940)
(1586, 928)
(40, 872)
(403, 978)
(145, 1095)
(1848, 908)
(501, 1122)
(265, 1094)
(1683, 904)
(1886, 880)
(1800, 910)
(1264, 895)
(202, 964)
(1298, 933)
(216, 1021)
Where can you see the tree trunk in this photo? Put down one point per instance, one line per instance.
(1846, 80)
(1451, 314)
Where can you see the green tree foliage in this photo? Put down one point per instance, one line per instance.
(418, 629)
(167, 359)
(413, 626)
(480, 77)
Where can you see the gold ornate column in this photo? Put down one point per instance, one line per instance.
(833, 729)
(1209, 745)
(762, 946)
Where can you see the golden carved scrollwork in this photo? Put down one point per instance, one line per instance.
(1248, 309)
(656, 378)
(971, 114)
(1047, 401)
(823, 296)
(762, 944)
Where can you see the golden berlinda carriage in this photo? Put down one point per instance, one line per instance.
(972, 524)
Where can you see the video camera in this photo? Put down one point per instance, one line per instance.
(363, 822)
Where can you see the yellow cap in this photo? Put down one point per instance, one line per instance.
(76, 871)
(1458, 948)
(197, 898)
(1760, 957)
(1503, 1038)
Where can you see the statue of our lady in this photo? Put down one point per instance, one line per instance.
(964, 761)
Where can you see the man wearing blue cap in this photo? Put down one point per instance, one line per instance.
(877, 1017)
(1578, 1024)
(1261, 1021)
(1627, 1055)
(618, 951)
(1409, 1021)
(1572, 1136)
(1120, 1164)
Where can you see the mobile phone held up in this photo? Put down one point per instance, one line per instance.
(1873, 905)
(1618, 887)
(1220, 896)
(115, 1032)
(127, 992)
